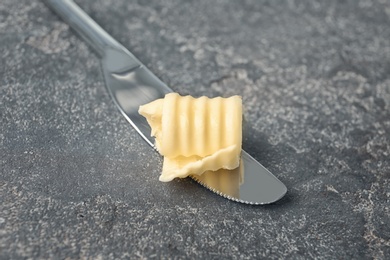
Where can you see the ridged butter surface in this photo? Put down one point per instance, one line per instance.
(195, 134)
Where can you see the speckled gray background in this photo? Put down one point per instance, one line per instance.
(77, 181)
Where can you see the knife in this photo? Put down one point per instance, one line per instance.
(131, 84)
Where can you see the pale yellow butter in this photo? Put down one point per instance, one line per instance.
(195, 134)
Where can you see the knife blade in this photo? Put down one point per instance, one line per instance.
(131, 84)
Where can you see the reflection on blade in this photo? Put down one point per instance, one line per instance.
(226, 182)
(250, 183)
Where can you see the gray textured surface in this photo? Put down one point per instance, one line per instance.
(76, 181)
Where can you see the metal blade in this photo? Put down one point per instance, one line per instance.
(131, 84)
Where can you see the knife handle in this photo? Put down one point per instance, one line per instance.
(95, 35)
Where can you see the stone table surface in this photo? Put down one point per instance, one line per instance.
(78, 182)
